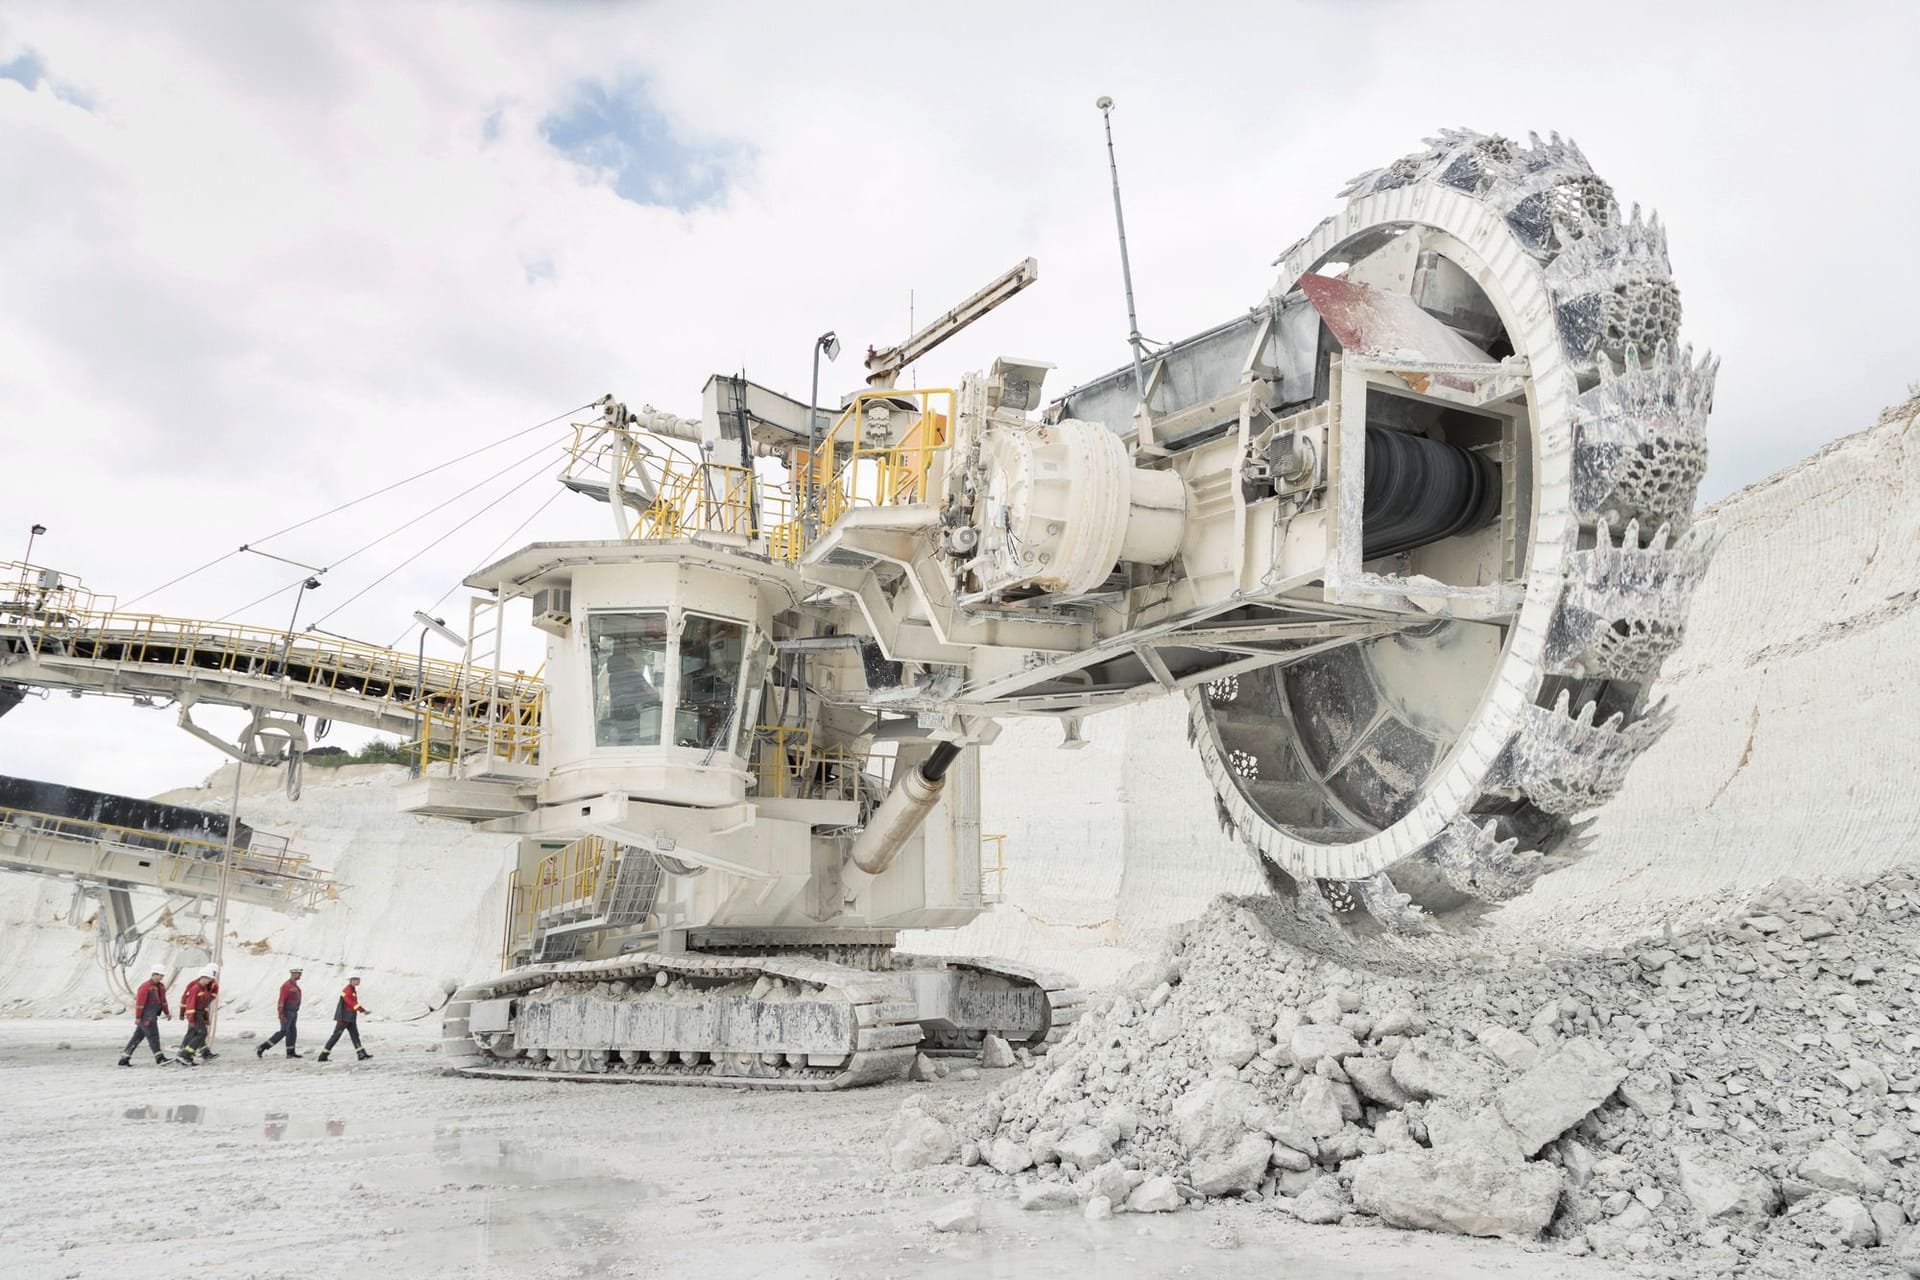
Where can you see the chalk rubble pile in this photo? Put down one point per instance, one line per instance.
(1742, 1099)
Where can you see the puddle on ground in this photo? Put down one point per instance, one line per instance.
(497, 1202)
(187, 1114)
(275, 1125)
(280, 1125)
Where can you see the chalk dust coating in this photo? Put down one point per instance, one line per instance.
(1741, 1098)
(1775, 687)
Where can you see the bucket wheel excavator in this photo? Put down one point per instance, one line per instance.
(1410, 534)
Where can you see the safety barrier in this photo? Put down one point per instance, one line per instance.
(846, 470)
(996, 869)
(788, 766)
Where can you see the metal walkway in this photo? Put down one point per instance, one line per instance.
(56, 634)
(175, 850)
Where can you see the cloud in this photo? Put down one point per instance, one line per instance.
(27, 70)
(620, 135)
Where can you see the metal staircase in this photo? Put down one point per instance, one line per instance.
(576, 890)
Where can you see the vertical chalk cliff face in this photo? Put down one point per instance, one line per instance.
(1791, 753)
(1107, 844)
(1794, 751)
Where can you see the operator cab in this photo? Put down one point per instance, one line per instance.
(656, 655)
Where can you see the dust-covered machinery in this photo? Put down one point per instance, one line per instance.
(1409, 534)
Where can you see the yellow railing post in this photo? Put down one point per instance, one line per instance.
(997, 868)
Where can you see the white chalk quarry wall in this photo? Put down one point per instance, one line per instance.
(1107, 845)
(1795, 751)
(1791, 755)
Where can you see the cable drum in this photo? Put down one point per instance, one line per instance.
(1419, 491)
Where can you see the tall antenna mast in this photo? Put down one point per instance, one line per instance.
(1126, 269)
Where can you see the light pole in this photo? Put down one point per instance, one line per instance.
(33, 533)
(306, 585)
(828, 342)
(439, 627)
(226, 876)
(1126, 270)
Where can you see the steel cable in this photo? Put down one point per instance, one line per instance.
(301, 524)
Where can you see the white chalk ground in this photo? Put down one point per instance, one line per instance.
(1792, 755)
(290, 1168)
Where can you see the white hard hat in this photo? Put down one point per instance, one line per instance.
(159, 971)
(352, 976)
(213, 971)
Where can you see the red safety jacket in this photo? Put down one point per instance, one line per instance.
(349, 1005)
(289, 999)
(150, 1002)
(196, 1002)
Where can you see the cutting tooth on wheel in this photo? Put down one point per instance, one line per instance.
(1388, 906)
(1473, 858)
(1565, 763)
(1613, 289)
(1640, 438)
(1624, 607)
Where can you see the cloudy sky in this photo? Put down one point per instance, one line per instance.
(257, 260)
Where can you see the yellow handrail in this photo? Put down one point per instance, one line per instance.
(997, 868)
(55, 615)
(569, 877)
(847, 470)
(787, 765)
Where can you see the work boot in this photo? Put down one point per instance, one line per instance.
(260, 1050)
(186, 1058)
(362, 1054)
(292, 1054)
(323, 1055)
(208, 1054)
(162, 1060)
(126, 1059)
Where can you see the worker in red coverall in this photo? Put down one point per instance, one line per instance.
(288, 1009)
(149, 1006)
(203, 989)
(196, 1008)
(346, 1019)
(196, 1023)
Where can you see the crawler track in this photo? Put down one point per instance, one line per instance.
(861, 1014)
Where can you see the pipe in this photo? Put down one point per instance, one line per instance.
(901, 814)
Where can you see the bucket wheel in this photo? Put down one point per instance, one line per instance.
(1424, 773)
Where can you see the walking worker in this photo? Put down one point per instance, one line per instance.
(346, 1019)
(288, 1009)
(200, 991)
(196, 1006)
(149, 1006)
